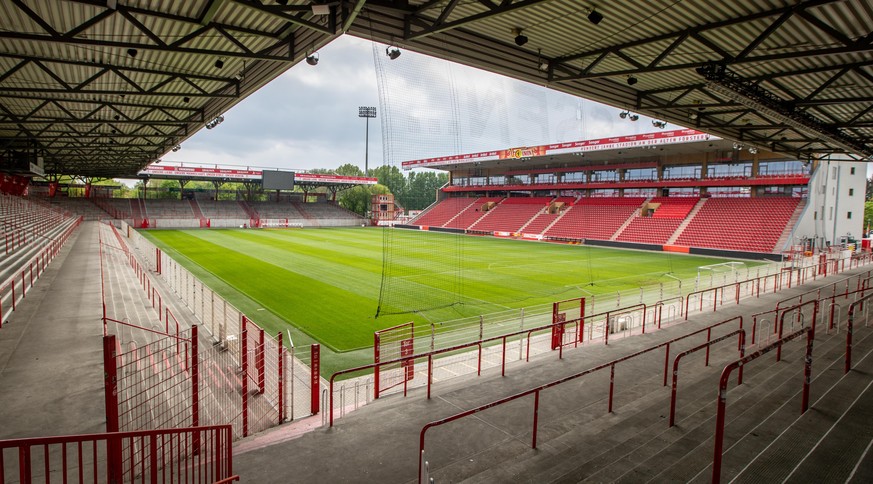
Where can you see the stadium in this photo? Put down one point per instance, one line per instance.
(683, 304)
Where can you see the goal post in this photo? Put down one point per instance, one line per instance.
(721, 269)
(391, 344)
(566, 311)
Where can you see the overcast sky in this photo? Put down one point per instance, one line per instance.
(308, 117)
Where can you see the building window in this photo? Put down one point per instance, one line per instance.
(831, 214)
(815, 215)
(851, 190)
(849, 215)
(852, 171)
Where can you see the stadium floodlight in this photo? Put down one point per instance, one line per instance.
(392, 52)
(177, 148)
(131, 52)
(520, 39)
(219, 63)
(623, 114)
(753, 150)
(634, 117)
(631, 80)
(312, 59)
(367, 112)
(659, 124)
(215, 121)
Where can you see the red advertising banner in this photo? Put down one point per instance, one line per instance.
(647, 139)
(237, 174)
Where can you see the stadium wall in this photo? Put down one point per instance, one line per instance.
(829, 202)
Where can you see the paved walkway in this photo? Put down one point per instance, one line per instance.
(51, 355)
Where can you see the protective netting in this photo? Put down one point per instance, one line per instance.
(431, 108)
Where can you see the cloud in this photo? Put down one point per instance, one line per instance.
(308, 117)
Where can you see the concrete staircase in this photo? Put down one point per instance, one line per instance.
(625, 224)
(789, 227)
(583, 443)
(688, 219)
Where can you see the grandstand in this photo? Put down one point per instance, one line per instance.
(680, 190)
(778, 89)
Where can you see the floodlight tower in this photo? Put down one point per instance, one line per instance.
(367, 112)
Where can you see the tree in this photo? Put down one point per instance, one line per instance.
(357, 199)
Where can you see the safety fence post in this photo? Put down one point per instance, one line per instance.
(315, 376)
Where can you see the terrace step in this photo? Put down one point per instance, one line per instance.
(630, 428)
(764, 412)
(830, 458)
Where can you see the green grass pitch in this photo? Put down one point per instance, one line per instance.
(325, 282)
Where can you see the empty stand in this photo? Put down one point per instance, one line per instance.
(471, 214)
(663, 222)
(594, 218)
(512, 214)
(746, 224)
(443, 211)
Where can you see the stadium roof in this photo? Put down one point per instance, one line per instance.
(104, 87)
(592, 152)
(242, 175)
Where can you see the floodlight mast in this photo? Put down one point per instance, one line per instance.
(367, 112)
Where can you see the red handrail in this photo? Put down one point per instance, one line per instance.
(849, 327)
(742, 346)
(204, 454)
(536, 391)
(432, 353)
(718, 444)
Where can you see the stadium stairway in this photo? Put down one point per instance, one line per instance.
(684, 224)
(577, 438)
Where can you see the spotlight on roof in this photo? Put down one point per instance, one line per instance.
(594, 16)
(215, 121)
(318, 9)
(177, 148)
(312, 59)
(392, 52)
(520, 39)
(186, 99)
(219, 64)
(737, 146)
(753, 150)
(634, 117)
(659, 124)
(131, 52)
(631, 80)
(623, 114)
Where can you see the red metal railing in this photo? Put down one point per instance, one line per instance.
(720, 290)
(479, 344)
(849, 328)
(192, 454)
(31, 270)
(741, 333)
(536, 391)
(718, 446)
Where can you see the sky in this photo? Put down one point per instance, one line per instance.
(308, 117)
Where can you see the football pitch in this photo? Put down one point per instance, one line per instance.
(325, 282)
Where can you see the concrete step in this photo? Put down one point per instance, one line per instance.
(826, 443)
(576, 423)
(772, 405)
(603, 440)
